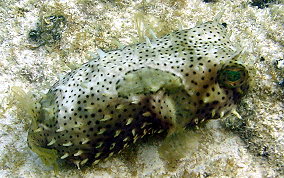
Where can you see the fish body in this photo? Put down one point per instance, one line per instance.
(121, 96)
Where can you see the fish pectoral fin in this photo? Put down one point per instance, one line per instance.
(147, 81)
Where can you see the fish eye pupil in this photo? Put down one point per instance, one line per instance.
(232, 76)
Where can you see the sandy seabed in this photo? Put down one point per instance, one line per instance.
(252, 146)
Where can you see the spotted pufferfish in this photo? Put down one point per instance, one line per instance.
(159, 86)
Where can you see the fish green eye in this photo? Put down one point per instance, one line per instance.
(232, 75)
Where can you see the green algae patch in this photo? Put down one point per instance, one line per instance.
(177, 146)
(48, 156)
(49, 30)
(262, 3)
(26, 104)
(27, 109)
